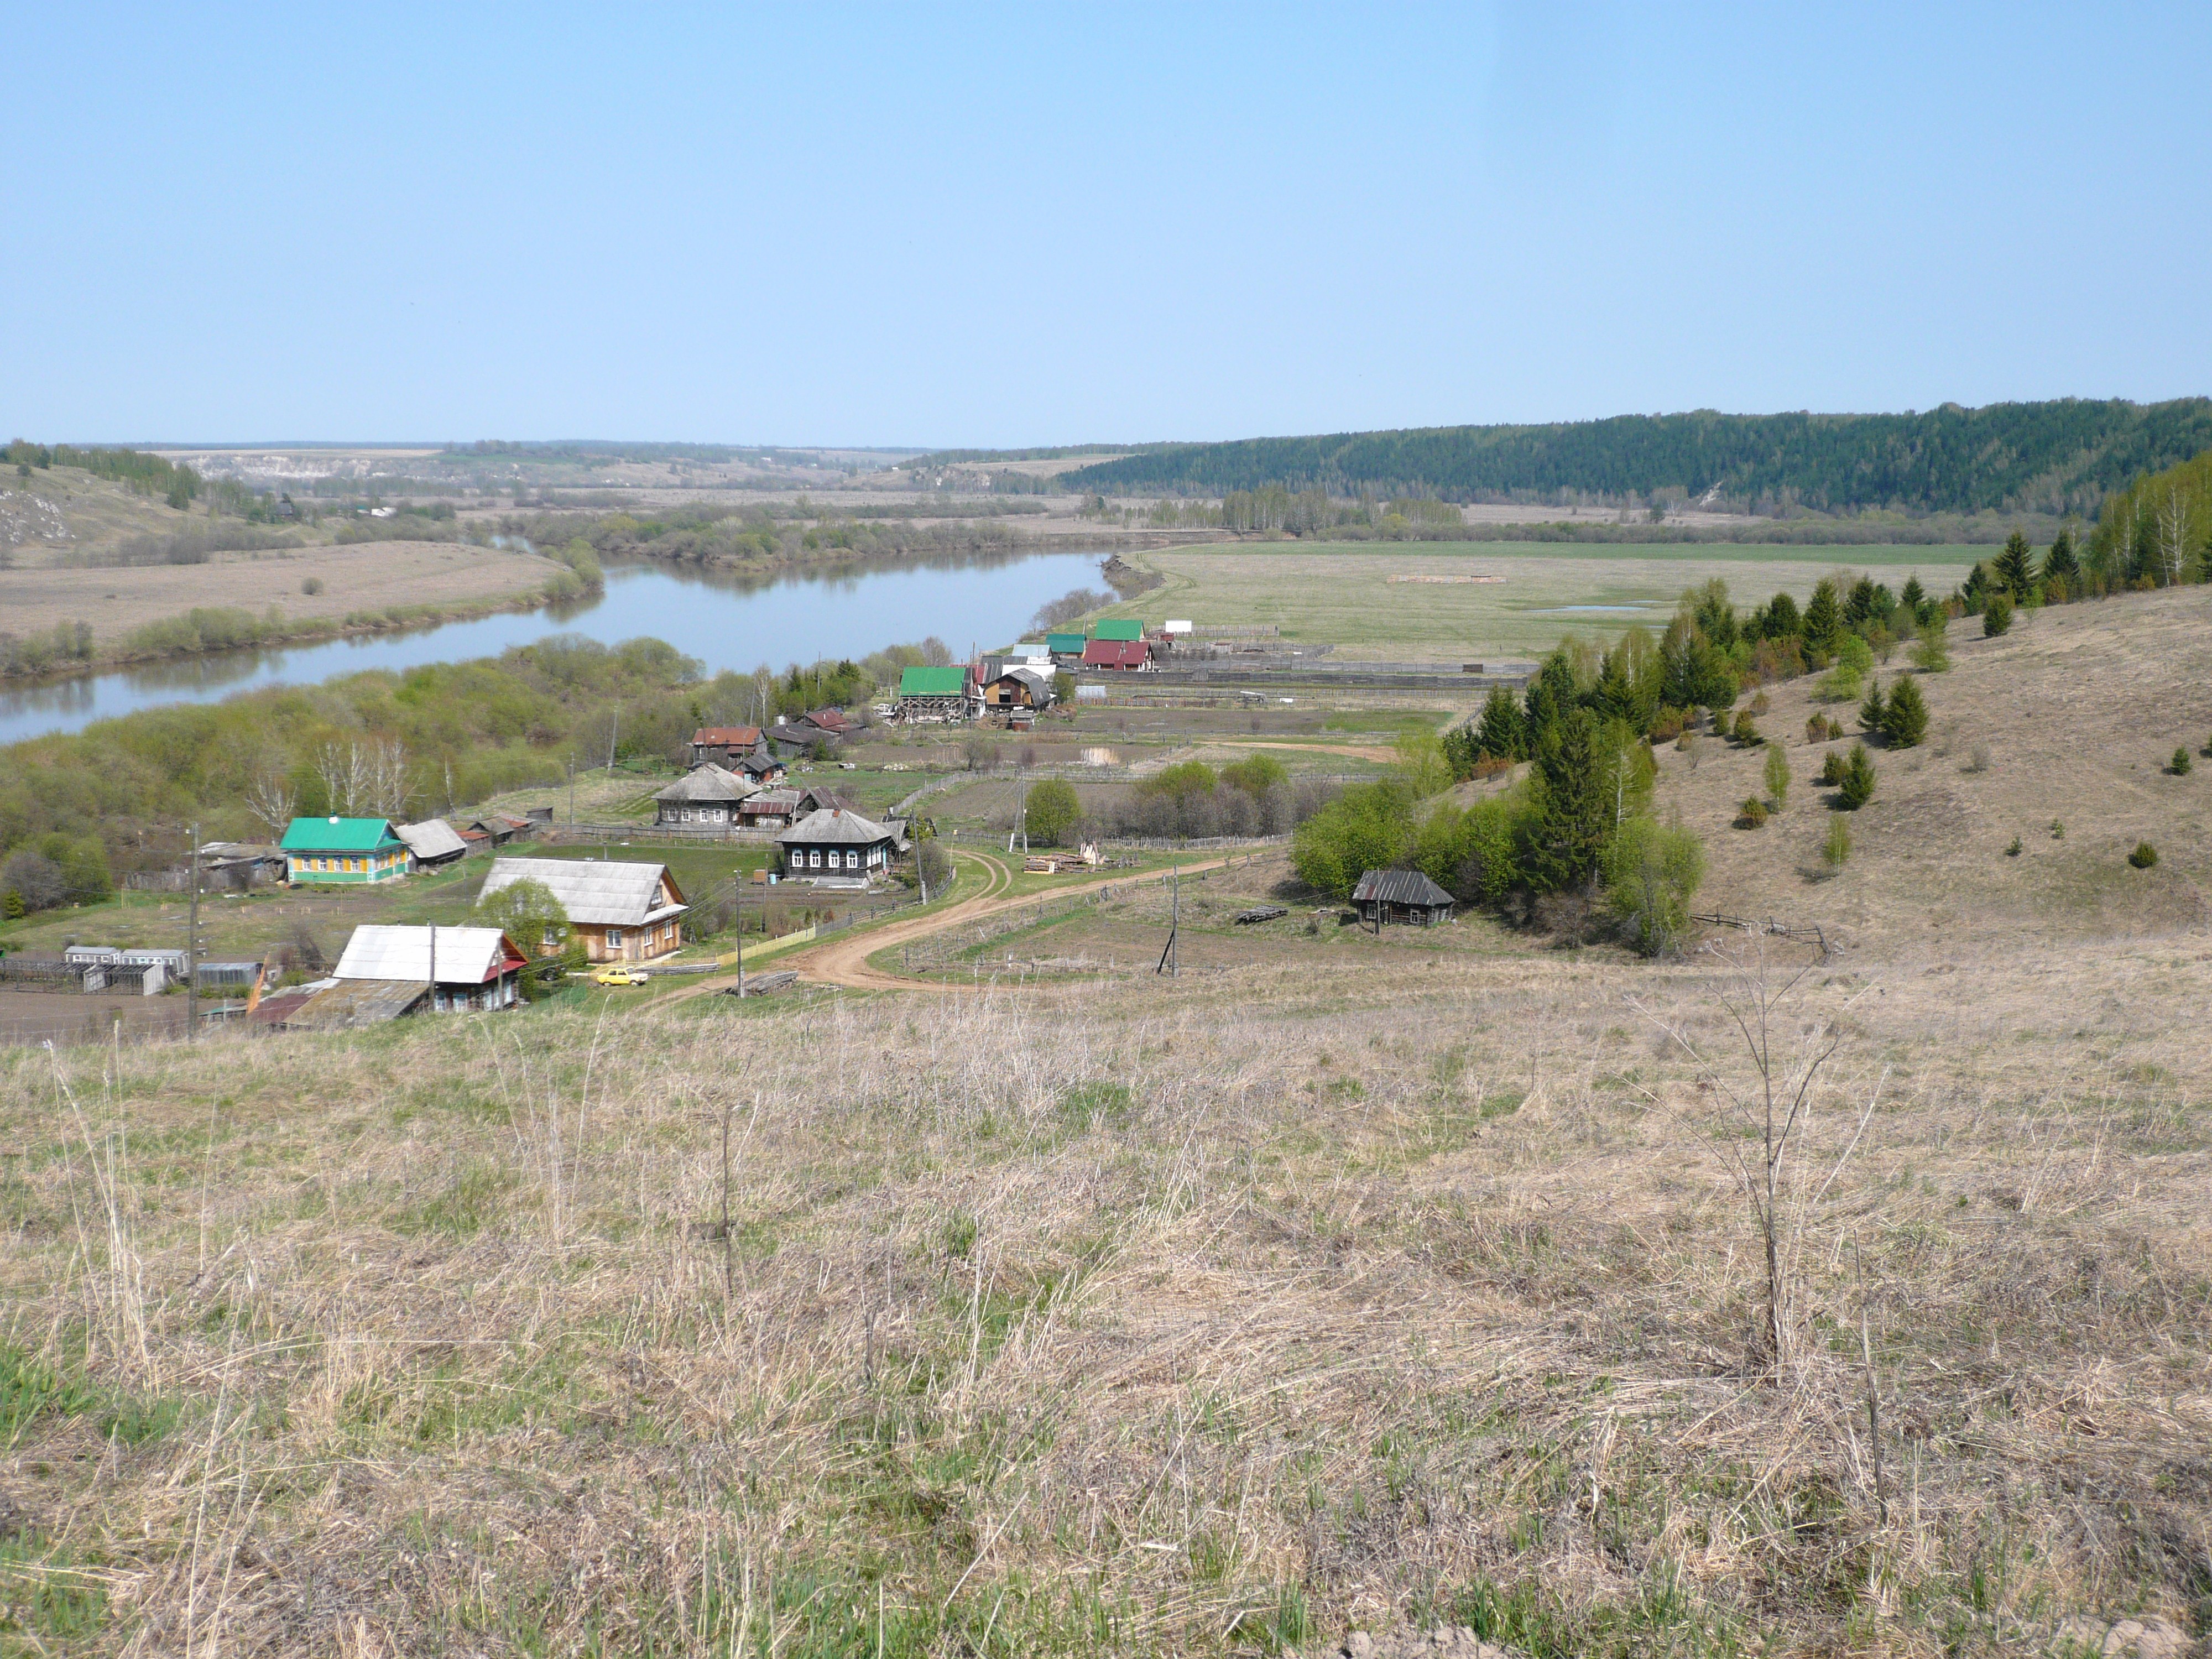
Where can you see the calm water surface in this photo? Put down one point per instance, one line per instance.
(724, 621)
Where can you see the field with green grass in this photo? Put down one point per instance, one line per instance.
(1342, 593)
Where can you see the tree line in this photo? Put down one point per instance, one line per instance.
(2057, 456)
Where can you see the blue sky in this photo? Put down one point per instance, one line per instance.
(1029, 225)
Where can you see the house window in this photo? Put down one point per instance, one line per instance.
(614, 938)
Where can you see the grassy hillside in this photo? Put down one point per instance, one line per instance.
(2057, 457)
(1211, 1315)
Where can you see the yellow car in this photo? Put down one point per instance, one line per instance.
(619, 976)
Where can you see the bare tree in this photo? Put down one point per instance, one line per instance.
(2172, 537)
(1767, 1108)
(386, 791)
(271, 799)
(339, 767)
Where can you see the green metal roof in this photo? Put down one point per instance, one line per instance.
(932, 681)
(1064, 644)
(1119, 628)
(338, 836)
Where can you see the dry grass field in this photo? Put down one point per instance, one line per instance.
(366, 576)
(1342, 593)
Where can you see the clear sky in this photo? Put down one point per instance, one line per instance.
(1047, 224)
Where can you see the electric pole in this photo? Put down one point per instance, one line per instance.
(741, 878)
(192, 946)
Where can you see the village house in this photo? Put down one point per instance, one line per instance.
(1126, 655)
(706, 795)
(769, 809)
(1123, 630)
(761, 768)
(618, 911)
(432, 842)
(458, 968)
(837, 843)
(343, 852)
(1020, 688)
(927, 694)
(1065, 647)
(820, 798)
(1383, 896)
(723, 745)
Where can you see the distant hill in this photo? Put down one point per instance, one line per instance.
(2057, 457)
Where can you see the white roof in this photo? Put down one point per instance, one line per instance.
(466, 956)
(1173, 626)
(433, 838)
(597, 892)
(831, 828)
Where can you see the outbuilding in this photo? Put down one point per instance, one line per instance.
(1404, 896)
(932, 694)
(432, 842)
(463, 968)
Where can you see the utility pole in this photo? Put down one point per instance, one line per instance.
(1175, 921)
(741, 878)
(191, 947)
(572, 791)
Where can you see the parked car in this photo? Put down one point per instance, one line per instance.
(619, 976)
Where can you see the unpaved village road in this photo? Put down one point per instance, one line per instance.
(845, 961)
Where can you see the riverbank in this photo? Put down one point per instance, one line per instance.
(72, 620)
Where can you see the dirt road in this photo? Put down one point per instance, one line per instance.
(845, 961)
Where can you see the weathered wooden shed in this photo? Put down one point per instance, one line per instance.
(1404, 896)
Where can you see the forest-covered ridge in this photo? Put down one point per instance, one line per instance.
(2058, 457)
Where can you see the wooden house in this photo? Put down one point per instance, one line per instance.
(820, 798)
(723, 745)
(462, 968)
(836, 842)
(1019, 688)
(707, 794)
(619, 911)
(1128, 656)
(1405, 896)
(343, 852)
(761, 768)
(1123, 630)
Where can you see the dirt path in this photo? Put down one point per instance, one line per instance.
(845, 961)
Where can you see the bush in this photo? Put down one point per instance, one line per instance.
(530, 915)
(1831, 770)
(1856, 785)
(2013, 851)
(35, 879)
(1752, 815)
(1368, 827)
(1256, 774)
(1835, 851)
(2180, 764)
(1839, 684)
(313, 585)
(2144, 856)
(1997, 617)
(1053, 811)
(1905, 717)
(1651, 872)
(1746, 733)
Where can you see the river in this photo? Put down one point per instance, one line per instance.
(725, 621)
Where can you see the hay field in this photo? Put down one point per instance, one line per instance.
(360, 576)
(1342, 594)
(1215, 1317)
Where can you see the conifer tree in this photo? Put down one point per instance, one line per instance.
(1783, 622)
(2016, 568)
(1502, 735)
(1824, 625)
(1905, 720)
(1873, 709)
(1571, 804)
(2060, 563)
(1914, 597)
(1857, 786)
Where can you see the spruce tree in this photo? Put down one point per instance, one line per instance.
(1824, 625)
(1996, 614)
(1502, 735)
(1913, 598)
(1783, 622)
(1905, 720)
(1857, 786)
(2016, 568)
(1874, 712)
(2061, 560)
(1571, 804)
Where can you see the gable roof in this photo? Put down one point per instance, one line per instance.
(1064, 645)
(726, 737)
(1399, 887)
(1119, 628)
(1030, 677)
(822, 795)
(771, 800)
(827, 720)
(338, 836)
(706, 782)
(465, 956)
(351, 1003)
(921, 681)
(597, 892)
(433, 838)
(1116, 654)
(832, 828)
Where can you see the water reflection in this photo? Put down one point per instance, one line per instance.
(726, 618)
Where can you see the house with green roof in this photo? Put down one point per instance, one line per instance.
(934, 694)
(1065, 645)
(1119, 628)
(342, 851)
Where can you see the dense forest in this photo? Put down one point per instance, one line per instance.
(2059, 458)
